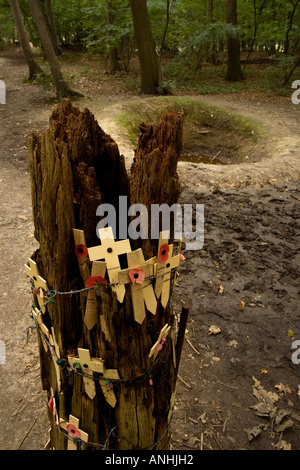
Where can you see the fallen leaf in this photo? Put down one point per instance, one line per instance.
(221, 289)
(298, 393)
(242, 306)
(215, 358)
(233, 343)
(263, 409)
(282, 427)
(283, 389)
(214, 330)
(264, 371)
(23, 217)
(262, 395)
(254, 432)
(283, 445)
(291, 334)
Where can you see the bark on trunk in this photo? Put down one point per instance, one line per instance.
(51, 22)
(34, 68)
(149, 63)
(234, 70)
(74, 167)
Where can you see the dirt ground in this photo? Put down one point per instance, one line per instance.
(238, 387)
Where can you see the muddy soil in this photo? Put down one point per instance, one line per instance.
(238, 386)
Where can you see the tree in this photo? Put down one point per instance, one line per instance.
(113, 52)
(234, 71)
(62, 88)
(149, 61)
(127, 401)
(52, 26)
(34, 67)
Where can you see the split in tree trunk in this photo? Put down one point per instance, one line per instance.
(74, 168)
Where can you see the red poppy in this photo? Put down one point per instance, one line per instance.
(81, 251)
(74, 431)
(136, 276)
(92, 280)
(163, 254)
(50, 403)
(160, 344)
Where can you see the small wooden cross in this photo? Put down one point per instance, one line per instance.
(55, 353)
(172, 263)
(74, 433)
(45, 332)
(110, 251)
(81, 250)
(90, 317)
(88, 366)
(163, 240)
(39, 283)
(160, 342)
(141, 289)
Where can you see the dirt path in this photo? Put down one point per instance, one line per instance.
(250, 254)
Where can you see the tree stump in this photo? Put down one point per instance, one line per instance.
(104, 390)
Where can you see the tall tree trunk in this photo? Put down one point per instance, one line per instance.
(127, 404)
(34, 68)
(113, 53)
(211, 53)
(149, 63)
(51, 22)
(234, 71)
(62, 88)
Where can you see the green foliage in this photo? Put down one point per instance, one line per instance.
(7, 28)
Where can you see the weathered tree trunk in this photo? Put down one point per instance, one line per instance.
(113, 53)
(34, 67)
(149, 63)
(234, 70)
(62, 88)
(74, 168)
(51, 22)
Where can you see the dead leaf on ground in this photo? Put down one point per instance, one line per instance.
(233, 343)
(283, 389)
(262, 395)
(242, 306)
(254, 432)
(221, 289)
(214, 330)
(283, 445)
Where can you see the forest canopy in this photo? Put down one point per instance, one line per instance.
(187, 33)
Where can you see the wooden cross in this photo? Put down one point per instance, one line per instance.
(172, 263)
(90, 365)
(90, 317)
(45, 332)
(55, 356)
(160, 342)
(141, 289)
(160, 270)
(39, 283)
(110, 251)
(74, 433)
(81, 250)
(52, 406)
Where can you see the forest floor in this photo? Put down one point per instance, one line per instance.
(238, 387)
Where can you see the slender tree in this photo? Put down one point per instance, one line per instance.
(62, 88)
(52, 26)
(148, 57)
(34, 67)
(234, 71)
(113, 53)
